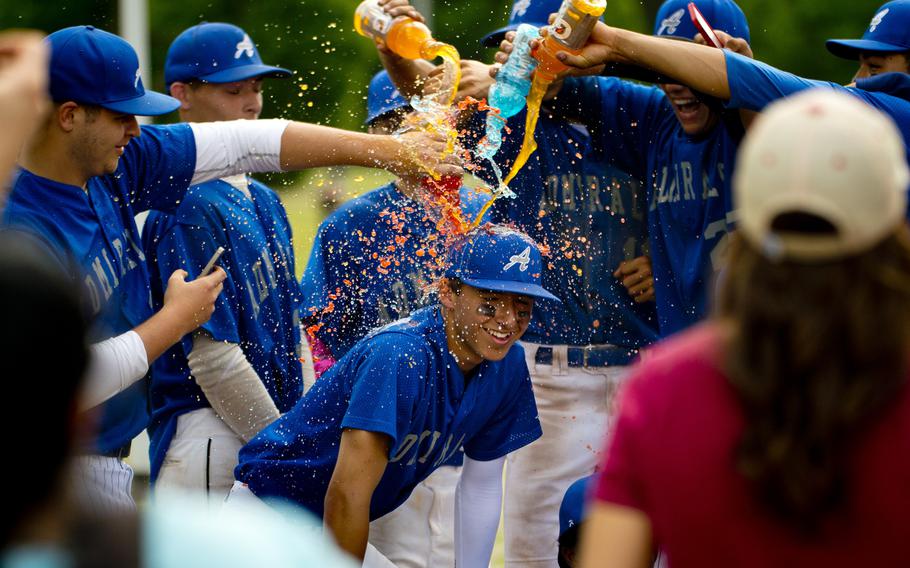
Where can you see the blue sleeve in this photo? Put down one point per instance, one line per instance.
(621, 117)
(189, 248)
(330, 289)
(514, 424)
(754, 85)
(386, 386)
(159, 166)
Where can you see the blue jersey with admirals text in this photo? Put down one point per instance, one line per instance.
(400, 381)
(95, 228)
(591, 217)
(258, 308)
(754, 85)
(687, 180)
(371, 263)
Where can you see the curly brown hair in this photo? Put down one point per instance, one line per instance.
(817, 352)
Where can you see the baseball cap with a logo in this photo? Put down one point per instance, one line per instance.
(888, 32)
(673, 19)
(829, 156)
(572, 509)
(383, 97)
(499, 259)
(533, 12)
(94, 67)
(216, 53)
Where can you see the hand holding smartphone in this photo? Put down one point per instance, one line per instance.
(704, 28)
(210, 265)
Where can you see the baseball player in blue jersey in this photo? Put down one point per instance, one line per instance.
(884, 47)
(408, 397)
(738, 81)
(216, 389)
(87, 172)
(373, 262)
(592, 218)
(676, 142)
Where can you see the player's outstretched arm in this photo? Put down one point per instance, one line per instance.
(700, 67)
(362, 459)
(413, 153)
(478, 503)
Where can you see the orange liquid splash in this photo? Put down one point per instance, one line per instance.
(529, 145)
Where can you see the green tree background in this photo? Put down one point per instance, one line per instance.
(316, 39)
(333, 65)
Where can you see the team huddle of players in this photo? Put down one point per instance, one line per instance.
(386, 392)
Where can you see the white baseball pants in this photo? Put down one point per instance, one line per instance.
(201, 457)
(102, 484)
(574, 405)
(421, 532)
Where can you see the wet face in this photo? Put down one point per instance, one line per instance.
(99, 137)
(482, 324)
(875, 63)
(695, 117)
(210, 102)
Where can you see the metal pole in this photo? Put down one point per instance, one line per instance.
(425, 7)
(134, 28)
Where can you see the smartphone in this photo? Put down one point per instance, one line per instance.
(704, 28)
(210, 265)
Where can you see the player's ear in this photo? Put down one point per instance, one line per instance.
(446, 294)
(181, 91)
(65, 115)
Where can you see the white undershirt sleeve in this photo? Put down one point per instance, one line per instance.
(478, 505)
(237, 146)
(231, 385)
(114, 365)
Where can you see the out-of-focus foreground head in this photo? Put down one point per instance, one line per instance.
(826, 161)
(43, 347)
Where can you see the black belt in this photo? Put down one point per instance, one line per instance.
(120, 453)
(589, 356)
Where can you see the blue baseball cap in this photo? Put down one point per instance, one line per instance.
(95, 67)
(383, 97)
(888, 32)
(572, 509)
(533, 12)
(725, 15)
(216, 53)
(500, 259)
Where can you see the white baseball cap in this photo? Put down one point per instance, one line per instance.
(825, 154)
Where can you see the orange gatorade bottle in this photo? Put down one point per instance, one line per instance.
(405, 36)
(569, 32)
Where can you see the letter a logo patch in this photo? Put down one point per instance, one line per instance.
(245, 45)
(669, 25)
(522, 260)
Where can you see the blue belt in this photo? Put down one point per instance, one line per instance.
(589, 356)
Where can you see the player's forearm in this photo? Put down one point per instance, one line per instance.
(408, 75)
(231, 385)
(116, 363)
(478, 502)
(699, 67)
(347, 517)
(161, 331)
(311, 146)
